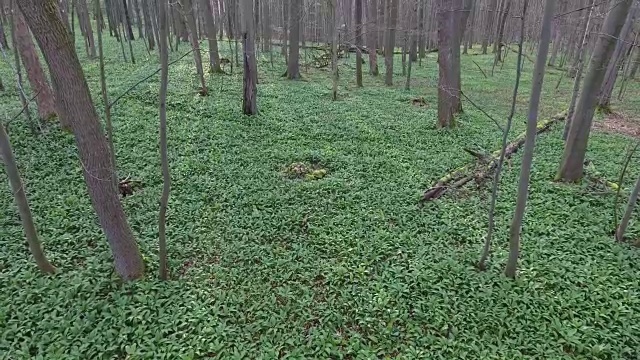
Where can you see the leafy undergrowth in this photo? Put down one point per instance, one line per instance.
(345, 266)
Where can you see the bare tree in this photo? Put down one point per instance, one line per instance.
(166, 177)
(497, 46)
(188, 11)
(334, 48)
(293, 66)
(74, 98)
(35, 74)
(148, 24)
(530, 140)
(610, 77)
(576, 145)
(389, 48)
(249, 103)
(579, 71)
(127, 19)
(214, 56)
(23, 205)
(358, 31)
(503, 150)
(372, 37)
(488, 25)
(85, 24)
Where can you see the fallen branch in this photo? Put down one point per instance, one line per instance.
(483, 165)
(479, 68)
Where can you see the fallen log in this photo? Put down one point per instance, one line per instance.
(484, 164)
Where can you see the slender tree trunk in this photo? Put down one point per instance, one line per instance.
(250, 86)
(421, 34)
(358, 30)
(166, 177)
(35, 74)
(285, 28)
(74, 97)
(497, 46)
(372, 37)
(136, 9)
(633, 198)
(579, 72)
(334, 48)
(85, 23)
(105, 96)
(610, 77)
(20, 197)
(187, 8)
(148, 24)
(576, 145)
(389, 48)
(413, 49)
(482, 264)
(530, 140)
(127, 19)
(488, 29)
(293, 66)
(214, 56)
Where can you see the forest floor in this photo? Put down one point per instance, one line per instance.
(341, 264)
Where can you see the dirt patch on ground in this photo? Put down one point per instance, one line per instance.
(619, 123)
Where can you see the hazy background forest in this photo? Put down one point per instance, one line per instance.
(344, 179)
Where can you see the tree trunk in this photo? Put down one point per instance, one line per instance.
(166, 178)
(20, 196)
(148, 24)
(372, 28)
(136, 9)
(421, 34)
(446, 48)
(293, 66)
(413, 50)
(285, 28)
(187, 8)
(530, 142)
(74, 97)
(85, 23)
(488, 28)
(633, 198)
(127, 19)
(358, 30)
(249, 103)
(214, 56)
(389, 48)
(497, 46)
(35, 74)
(576, 145)
(334, 49)
(610, 77)
(382, 9)
(579, 71)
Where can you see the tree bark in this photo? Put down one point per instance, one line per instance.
(148, 24)
(293, 65)
(127, 19)
(372, 28)
(579, 71)
(187, 8)
(610, 77)
(497, 46)
(166, 177)
(571, 167)
(35, 74)
(530, 142)
(214, 56)
(20, 197)
(358, 30)
(389, 48)
(633, 198)
(488, 29)
(85, 23)
(250, 87)
(73, 95)
(136, 9)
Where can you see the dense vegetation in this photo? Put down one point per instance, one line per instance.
(342, 265)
